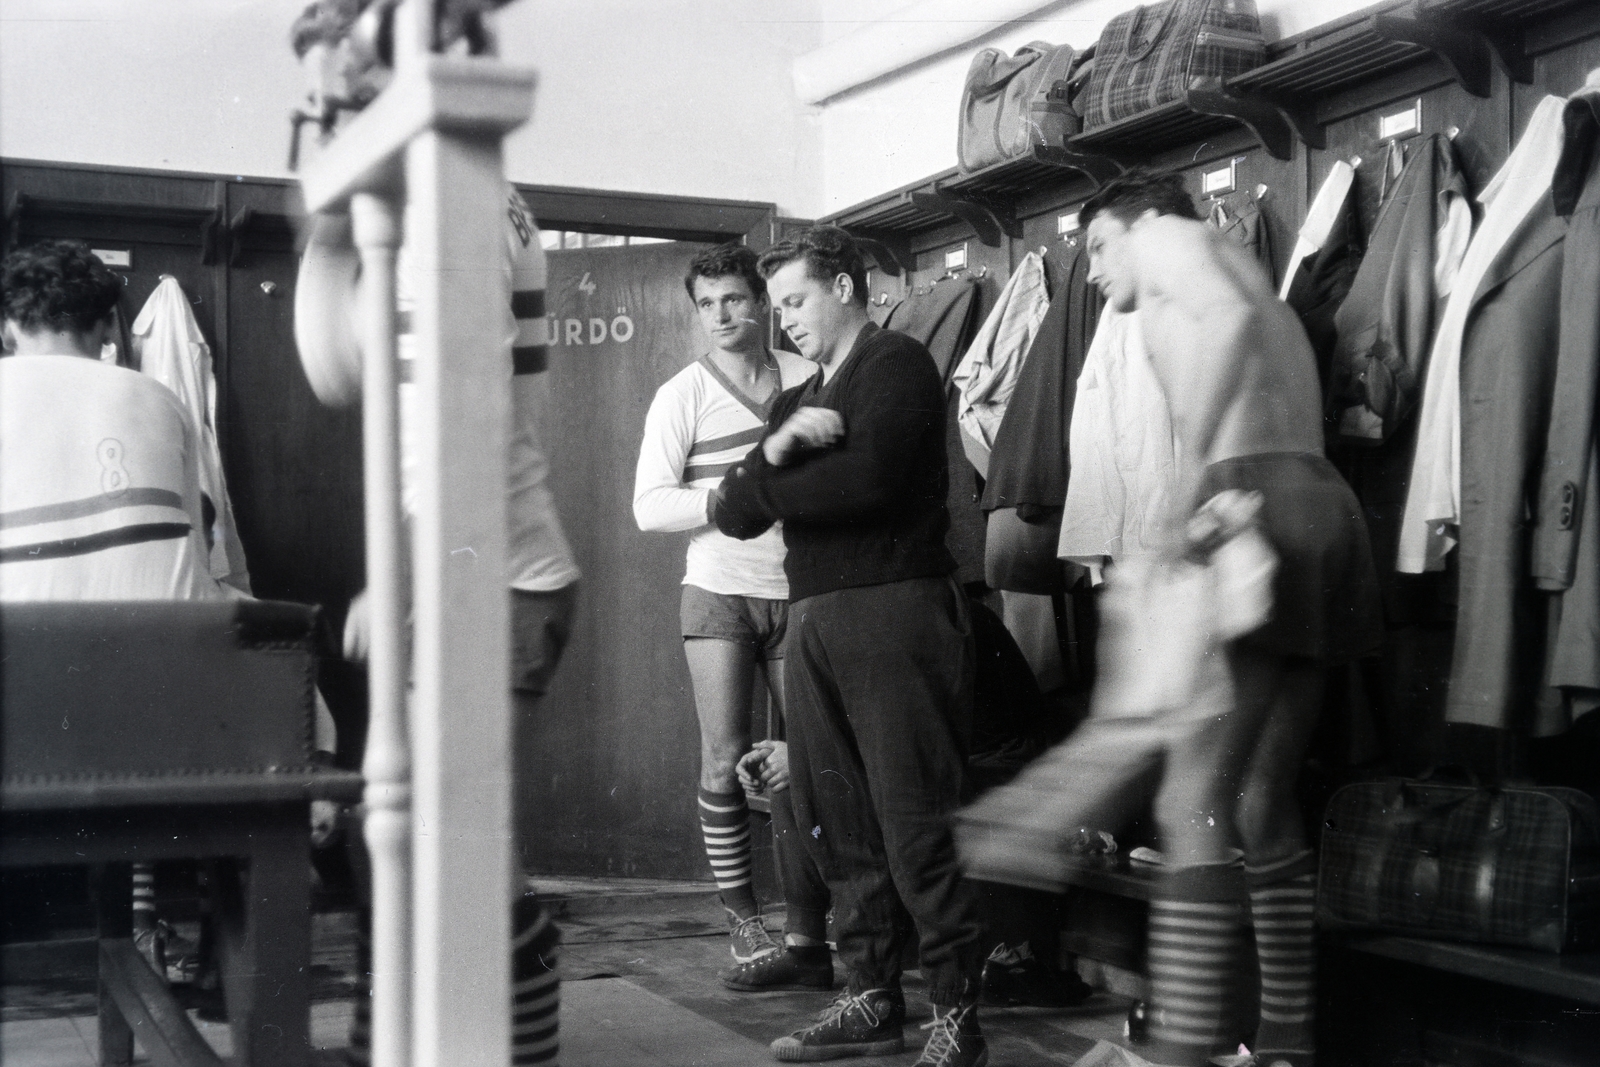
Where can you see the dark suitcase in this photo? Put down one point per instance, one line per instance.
(1011, 103)
(1502, 866)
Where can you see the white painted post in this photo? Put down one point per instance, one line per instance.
(461, 717)
(433, 137)
(375, 222)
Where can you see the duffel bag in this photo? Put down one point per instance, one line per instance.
(1148, 56)
(1501, 866)
(1007, 103)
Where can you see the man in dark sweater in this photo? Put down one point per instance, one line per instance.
(879, 654)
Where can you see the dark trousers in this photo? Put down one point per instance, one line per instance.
(879, 682)
(805, 892)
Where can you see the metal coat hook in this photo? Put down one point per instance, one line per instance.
(195, 300)
(1453, 132)
(1355, 162)
(1262, 190)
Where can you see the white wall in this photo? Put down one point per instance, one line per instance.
(902, 127)
(201, 85)
(688, 97)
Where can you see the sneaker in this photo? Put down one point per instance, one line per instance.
(152, 946)
(786, 970)
(1264, 1059)
(855, 1024)
(170, 954)
(1015, 977)
(750, 938)
(956, 1040)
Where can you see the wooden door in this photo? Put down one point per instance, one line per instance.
(293, 465)
(615, 756)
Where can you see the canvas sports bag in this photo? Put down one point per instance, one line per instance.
(1148, 56)
(1007, 104)
(1503, 866)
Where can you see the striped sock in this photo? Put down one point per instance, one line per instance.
(359, 1052)
(725, 822)
(144, 896)
(535, 986)
(1193, 950)
(1283, 900)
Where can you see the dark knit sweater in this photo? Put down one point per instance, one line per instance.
(871, 508)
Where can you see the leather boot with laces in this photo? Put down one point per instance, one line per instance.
(855, 1024)
(955, 1040)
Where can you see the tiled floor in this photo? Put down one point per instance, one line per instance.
(71, 1041)
(640, 990)
(611, 1022)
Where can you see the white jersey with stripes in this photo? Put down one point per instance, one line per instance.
(99, 485)
(699, 426)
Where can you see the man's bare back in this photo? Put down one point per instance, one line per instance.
(1233, 359)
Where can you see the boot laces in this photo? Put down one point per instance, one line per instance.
(755, 930)
(945, 1040)
(844, 1004)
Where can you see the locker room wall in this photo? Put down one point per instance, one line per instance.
(1398, 708)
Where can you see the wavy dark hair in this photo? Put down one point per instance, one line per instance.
(726, 261)
(57, 285)
(1128, 197)
(828, 252)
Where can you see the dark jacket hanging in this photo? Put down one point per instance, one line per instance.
(1323, 280)
(1384, 333)
(944, 318)
(1385, 325)
(1508, 370)
(1566, 535)
(1030, 464)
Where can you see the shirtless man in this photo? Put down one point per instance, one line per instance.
(1246, 408)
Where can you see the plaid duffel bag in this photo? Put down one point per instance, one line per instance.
(1148, 56)
(1502, 866)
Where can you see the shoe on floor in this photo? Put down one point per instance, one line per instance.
(855, 1024)
(1014, 976)
(791, 969)
(170, 954)
(1264, 1059)
(749, 937)
(956, 1040)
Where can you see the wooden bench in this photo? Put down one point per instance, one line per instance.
(147, 731)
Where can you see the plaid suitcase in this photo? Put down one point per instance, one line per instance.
(1148, 56)
(1464, 863)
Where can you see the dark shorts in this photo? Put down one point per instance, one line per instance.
(540, 626)
(749, 620)
(1325, 595)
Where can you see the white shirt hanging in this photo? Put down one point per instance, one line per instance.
(1124, 451)
(171, 349)
(988, 372)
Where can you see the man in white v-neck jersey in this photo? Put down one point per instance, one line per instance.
(703, 421)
